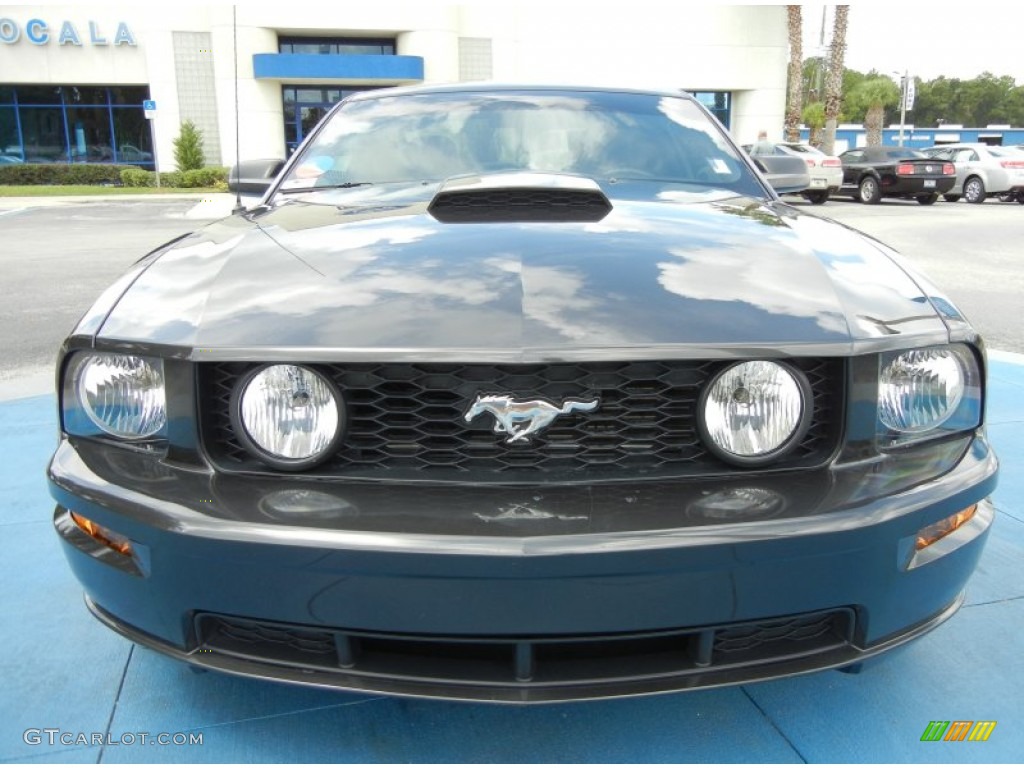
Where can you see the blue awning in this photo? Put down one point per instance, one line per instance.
(311, 66)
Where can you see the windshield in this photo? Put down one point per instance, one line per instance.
(432, 137)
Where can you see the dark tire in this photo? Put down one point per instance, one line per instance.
(817, 197)
(868, 191)
(927, 199)
(974, 190)
(951, 198)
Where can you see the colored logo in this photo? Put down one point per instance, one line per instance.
(958, 730)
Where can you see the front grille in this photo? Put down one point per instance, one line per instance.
(520, 205)
(406, 421)
(528, 661)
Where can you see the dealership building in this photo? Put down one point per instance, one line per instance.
(74, 80)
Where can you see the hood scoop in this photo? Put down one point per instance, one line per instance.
(511, 197)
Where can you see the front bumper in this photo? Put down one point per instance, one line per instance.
(520, 594)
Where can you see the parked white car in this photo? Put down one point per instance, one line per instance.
(983, 170)
(826, 171)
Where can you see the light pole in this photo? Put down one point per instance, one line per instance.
(903, 104)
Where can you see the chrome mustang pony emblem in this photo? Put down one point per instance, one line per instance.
(521, 419)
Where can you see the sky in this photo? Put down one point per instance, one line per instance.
(927, 39)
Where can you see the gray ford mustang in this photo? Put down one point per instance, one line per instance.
(522, 394)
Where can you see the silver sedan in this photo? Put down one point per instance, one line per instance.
(983, 170)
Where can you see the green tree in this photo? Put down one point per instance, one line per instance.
(813, 117)
(935, 101)
(870, 99)
(984, 98)
(1014, 105)
(813, 79)
(188, 148)
(851, 79)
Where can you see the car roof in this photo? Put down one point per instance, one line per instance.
(496, 87)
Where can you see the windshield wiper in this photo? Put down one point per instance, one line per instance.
(343, 185)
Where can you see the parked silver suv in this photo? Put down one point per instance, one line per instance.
(983, 170)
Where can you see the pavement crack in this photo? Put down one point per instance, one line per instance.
(289, 713)
(773, 724)
(117, 699)
(995, 602)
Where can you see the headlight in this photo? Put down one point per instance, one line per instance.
(288, 415)
(923, 392)
(121, 395)
(753, 412)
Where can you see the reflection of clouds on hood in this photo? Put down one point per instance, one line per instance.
(625, 222)
(557, 298)
(333, 240)
(361, 284)
(779, 286)
(553, 294)
(871, 280)
(168, 299)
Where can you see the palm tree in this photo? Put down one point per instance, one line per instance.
(834, 78)
(795, 87)
(814, 118)
(870, 98)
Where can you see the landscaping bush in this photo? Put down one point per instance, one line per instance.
(188, 148)
(136, 177)
(200, 178)
(60, 173)
(112, 175)
(204, 177)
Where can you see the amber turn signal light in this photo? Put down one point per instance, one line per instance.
(104, 536)
(932, 533)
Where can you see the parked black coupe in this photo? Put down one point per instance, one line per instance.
(871, 173)
(522, 394)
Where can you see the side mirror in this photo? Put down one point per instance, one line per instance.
(786, 174)
(254, 177)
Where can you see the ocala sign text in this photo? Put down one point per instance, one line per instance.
(38, 32)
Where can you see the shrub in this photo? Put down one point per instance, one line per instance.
(204, 177)
(136, 177)
(112, 175)
(61, 173)
(171, 179)
(188, 148)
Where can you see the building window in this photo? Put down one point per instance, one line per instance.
(345, 46)
(305, 105)
(74, 124)
(719, 103)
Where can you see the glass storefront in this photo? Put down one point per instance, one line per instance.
(74, 124)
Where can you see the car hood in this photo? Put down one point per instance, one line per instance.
(368, 276)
